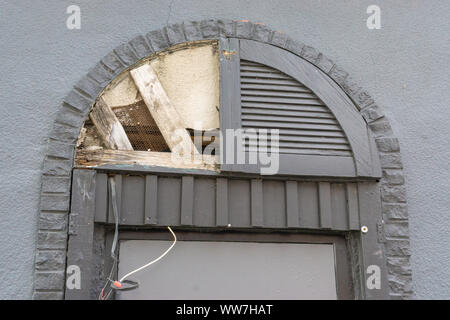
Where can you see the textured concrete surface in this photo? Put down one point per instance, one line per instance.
(404, 66)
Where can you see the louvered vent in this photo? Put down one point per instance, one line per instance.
(273, 100)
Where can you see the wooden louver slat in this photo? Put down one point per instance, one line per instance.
(271, 99)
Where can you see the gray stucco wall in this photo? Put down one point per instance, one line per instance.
(405, 66)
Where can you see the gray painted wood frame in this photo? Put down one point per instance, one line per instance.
(81, 235)
(372, 241)
(229, 101)
(229, 202)
(214, 204)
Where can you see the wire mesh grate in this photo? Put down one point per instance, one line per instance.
(141, 128)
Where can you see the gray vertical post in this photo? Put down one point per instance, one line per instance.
(372, 249)
(221, 202)
(292, 209)
(352, 206)
(187, 200)
(101, 199)
(151, 200)
(325, 205)
(118, 179)
(81, 235)
(230, 96)
(257, 203)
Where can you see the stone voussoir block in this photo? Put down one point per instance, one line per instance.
(338, 75)
(372, 113)
(294, 46)
(381, 128)
(67, 115)
(310, 54)
(126, 54)
(387, 144)
(226, 28)
(396, 229)
(100, 74)
(409, 295)
(324, 63)
(175, 34)
(210, 29)
(77, 101)
(395, 296)
(399, 265)
(397, 247)
(141, 47)
(393, 176)
(55, 184)
(50, 260)
(158, 40)
(49, 280)
(192, 30)
(57, 167)
(52, 221)
(55, 202)
(400, 283)
(64, 132)
(393, 194)
(112, 62)
(59, 149)
(244, 29)
(279, 39)
(395, 211)
(89, 86)
(52, 240)
(363, 99)
(351, 87)
(392, 160)
(261, 32)
(48, 295)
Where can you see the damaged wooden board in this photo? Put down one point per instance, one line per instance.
(163, 112)
(109, 127)
(97, 158)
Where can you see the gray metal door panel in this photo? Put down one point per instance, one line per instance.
(230, 270)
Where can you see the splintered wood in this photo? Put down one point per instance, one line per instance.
(97, 158)
(109, 127)
(180, 90)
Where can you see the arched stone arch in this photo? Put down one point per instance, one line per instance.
(57, 168)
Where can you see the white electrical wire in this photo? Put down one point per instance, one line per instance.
(153, 261)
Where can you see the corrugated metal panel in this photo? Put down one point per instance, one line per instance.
(218, 201)
(272, 100)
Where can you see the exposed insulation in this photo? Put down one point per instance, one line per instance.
(190, 78)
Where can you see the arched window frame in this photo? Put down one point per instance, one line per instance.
(365, 162)
(58, 163)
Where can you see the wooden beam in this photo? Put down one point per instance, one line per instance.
(109, 127)
(96, 158)
(81, 233)
(164, 113)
